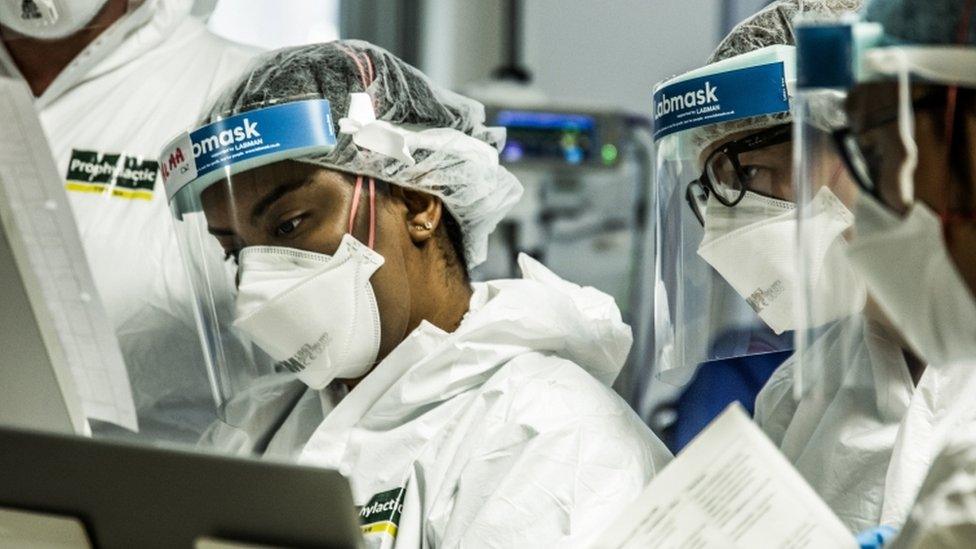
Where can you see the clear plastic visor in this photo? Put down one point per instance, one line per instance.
(836, 326)
(725, 215)
(875, 193)
(235, 184)
(299, 213)
(725, 228)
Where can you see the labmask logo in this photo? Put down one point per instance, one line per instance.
(705, 95)
(243, 132)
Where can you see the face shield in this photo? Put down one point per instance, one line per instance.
(255, 328)
(725, 214)
(276, 216)
(874, 124)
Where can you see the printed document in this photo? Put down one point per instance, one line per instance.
(729, 488)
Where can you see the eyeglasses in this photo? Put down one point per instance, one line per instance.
(724, 175)
(860, 158)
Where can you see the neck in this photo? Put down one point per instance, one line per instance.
(41, 61)
(450, 303)
(445, 306)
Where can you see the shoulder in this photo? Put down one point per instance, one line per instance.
(217, 61)
(550, 395)
(224, 53)
(193, 39)
(534, 379)
(553, 456)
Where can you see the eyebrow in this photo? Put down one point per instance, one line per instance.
(262, 205)
(275, 195)
(219, 231)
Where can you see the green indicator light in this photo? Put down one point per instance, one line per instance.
(609, 153)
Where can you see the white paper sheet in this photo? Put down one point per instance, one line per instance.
(34, 192)
(729, 488)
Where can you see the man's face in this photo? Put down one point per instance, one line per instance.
(769, 170)
(766, 171)
(945, 176)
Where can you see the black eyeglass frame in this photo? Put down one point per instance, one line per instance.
(770, 137)
(846, 142)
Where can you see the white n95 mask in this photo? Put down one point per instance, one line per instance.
(907, 267)
(314, 314)
(753, 245)
(48, 19)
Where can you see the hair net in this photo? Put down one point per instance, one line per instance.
(931, 22)
(453, 155)
(771, 26)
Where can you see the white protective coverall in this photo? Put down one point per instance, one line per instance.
(868, 446)
(944, 514)
(942, 406)
(504, 433)
(842, 444)
(107, 116)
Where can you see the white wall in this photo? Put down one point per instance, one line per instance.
(614, 51)
(264, 24)
(461, 42)
(581, 52)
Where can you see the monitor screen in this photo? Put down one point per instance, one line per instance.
(532, 135)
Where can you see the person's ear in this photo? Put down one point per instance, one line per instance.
(423, 213)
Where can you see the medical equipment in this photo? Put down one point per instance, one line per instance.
(586, 174)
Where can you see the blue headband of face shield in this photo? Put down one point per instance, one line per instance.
(196, 159)
(724, 92)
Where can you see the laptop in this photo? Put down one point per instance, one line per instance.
(139, 496)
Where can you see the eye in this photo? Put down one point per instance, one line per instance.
(756, 176)
(762, 179)
(750, 172)
(870, 152)
(288, 227)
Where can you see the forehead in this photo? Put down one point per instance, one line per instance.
(871, 97)
(252, 186)
(735, 137)
(241, 200)
(716, 144)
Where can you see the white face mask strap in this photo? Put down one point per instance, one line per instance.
(906, 130)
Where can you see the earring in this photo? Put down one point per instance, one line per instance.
(426, 226)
